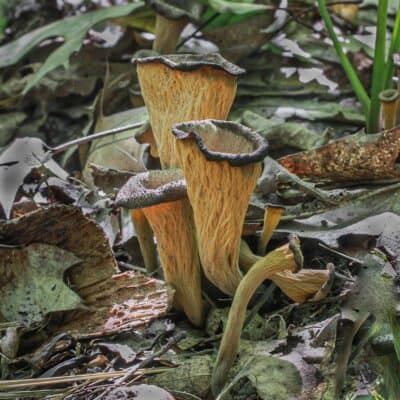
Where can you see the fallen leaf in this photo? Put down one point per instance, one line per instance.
(123, 351)
(358, 157)
(67, 228)
(120, 151)
(354, 234)
(32, 282)
(280, 134)
(16, 162)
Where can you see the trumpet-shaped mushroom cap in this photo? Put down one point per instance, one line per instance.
(151, 188)
(221, 164)
(176, 9)
(191, 62)
(184, 87)
(224, 141)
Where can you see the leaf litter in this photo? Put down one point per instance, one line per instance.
(106, 315)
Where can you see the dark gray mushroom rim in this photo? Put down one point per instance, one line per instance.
(216, 140)
(191, 62)
(176, 9)
(151, 188)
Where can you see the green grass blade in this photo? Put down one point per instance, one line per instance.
(348, 68)
(394, 48)
(378, 67)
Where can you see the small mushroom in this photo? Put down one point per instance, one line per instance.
(221, 162)
(278, 260)
(184, 87)
(272, 216)
(145, 238)
(171, 17)
(299, 286)
(390, 105)
(162, 197)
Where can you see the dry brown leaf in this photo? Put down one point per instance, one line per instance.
(353, 158)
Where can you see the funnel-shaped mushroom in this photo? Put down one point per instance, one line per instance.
(272, 216)
(221, 162)
(162, 197)
(184, 87)
(278, 260)
(171, 17)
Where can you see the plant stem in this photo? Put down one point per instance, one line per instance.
(348, 68)
(378, 68)
(394, 48)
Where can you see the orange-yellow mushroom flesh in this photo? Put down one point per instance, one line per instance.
(162, 197)
(178, 88)
(221, 162)
(272, 216)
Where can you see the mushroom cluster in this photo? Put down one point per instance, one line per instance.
(196, 204)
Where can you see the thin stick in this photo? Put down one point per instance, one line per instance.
(37, 382)
(133, 371)
(62, 147)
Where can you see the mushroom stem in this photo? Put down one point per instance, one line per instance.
(176, 243)
(390, 103)
(272, 216)
(168, 32)
(145, 238)
(278, 260)
(246, 257)
(299, 286)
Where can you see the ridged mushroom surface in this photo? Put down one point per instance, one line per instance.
(221, 162)
(162, 197)
(178, 88)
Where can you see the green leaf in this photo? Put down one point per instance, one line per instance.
(73, 30)
(3, 17)
(35, 286)
(238, 7)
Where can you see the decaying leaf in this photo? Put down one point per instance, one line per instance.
(192, 375)
(120, 151)
(359, 234)
(117, 301)
(357, 157)
(127, 301)
(32, 282)
(67, 228)
(274, 378)
(16, 162)
(140, 392)
(123, 351)
(280, 134)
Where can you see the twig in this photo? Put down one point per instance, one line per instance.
(200, 28)
(338, 253)
(266, 297)
(62, 147)
(133, 371)
(171, 343)
(37, 382)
